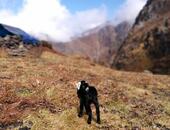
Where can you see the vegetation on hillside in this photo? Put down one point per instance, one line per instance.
(39, 93)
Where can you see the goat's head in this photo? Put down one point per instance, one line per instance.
(82, 88)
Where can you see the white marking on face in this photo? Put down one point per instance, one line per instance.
(78, 85)
(87, 89)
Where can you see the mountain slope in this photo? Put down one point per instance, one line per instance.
(9, 30)
(4, 32)
(99, 44)
(39, 93)
(147, 46)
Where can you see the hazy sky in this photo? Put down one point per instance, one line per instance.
(63, 19)
(72, 5)
(79, 5)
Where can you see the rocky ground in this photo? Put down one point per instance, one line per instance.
(14, 46)
(39, 93)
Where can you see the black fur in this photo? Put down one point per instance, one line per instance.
(88, 95)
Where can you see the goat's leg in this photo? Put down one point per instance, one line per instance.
(97, 112)
(81, 108)
(96, 103)
(89, 112)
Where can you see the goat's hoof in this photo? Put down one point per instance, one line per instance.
(99, 122)
(80, 115)
(89, 122)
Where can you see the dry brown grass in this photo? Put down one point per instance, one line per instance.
(3, 53)
(34, 90)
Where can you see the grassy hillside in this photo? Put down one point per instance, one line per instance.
(40, 93)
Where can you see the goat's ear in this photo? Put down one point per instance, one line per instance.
(78, 85)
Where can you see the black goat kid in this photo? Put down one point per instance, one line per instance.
(88, 95)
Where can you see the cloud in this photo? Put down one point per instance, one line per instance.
(129, 11)
(89, 19)
(50, 19)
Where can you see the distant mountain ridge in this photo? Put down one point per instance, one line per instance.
(9, 30)
(100, 44)
(147, 46)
